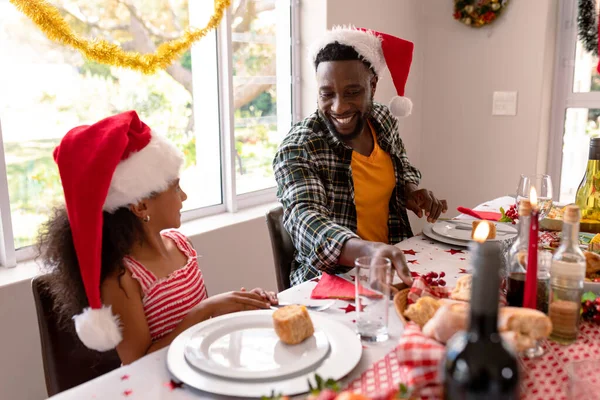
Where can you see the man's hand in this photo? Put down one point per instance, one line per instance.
(419, 200)
(398, 260)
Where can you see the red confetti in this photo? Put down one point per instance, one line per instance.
(462, 271)
(414, 274)
(410, 252)
(350, 307)
(172, 385)
(412, 262)
(353, 277)
(315, 280)
(124, 377)
(462, 259)
(453, 252)
(127, 393)
(353, 321)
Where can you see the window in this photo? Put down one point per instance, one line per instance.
(576, 105)
(226, 103)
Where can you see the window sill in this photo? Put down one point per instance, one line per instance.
(28, 269)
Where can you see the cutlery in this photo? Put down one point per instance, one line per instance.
(312, 307)
(465, 226)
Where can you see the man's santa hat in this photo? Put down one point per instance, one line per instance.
(110, 164)
(380, 50)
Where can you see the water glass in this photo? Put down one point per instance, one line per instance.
(584, 380)
(543, 187)
(373, 280)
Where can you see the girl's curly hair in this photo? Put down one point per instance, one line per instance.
(56, 249)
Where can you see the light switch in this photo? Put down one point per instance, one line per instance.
(504, 103)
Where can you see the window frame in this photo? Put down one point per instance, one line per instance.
(231, 202)
(563, 96)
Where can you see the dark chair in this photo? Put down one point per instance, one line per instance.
(283, 248)
(67, 362)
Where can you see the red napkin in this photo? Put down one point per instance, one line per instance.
(487, 215)
(334, 287)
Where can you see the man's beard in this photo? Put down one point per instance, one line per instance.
(360, 124)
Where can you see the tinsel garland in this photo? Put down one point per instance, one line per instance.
(48, 19)
(587, 25)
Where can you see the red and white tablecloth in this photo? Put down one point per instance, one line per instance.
(378, 368)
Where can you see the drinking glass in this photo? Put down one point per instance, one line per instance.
(543, 187)
(584, 380)
(373, 280)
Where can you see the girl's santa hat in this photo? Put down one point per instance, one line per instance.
(110, 164)
(380, 50)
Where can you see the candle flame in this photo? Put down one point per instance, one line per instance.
(533, 197)
(481, 232)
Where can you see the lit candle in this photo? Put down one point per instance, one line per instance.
(530, 295)
(481, 232)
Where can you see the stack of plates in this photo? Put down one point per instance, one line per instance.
(458, 232)
(240, 355)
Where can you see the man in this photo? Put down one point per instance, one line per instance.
(343, 176)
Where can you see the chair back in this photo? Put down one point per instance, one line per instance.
(282, 246)
(67, 362)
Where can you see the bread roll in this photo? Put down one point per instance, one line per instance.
(462, 290)
(592, 263)
(528, 322)
(422, 311)
(293, 324)
(449, 319)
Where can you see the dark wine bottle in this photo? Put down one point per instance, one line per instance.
(478, 364)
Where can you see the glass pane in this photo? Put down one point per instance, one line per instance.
(256, 46)
(585, 77)
(47, 89)
(581, 124)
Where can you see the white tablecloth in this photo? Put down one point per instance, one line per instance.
(148, 378)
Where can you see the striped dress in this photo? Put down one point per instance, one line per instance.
(168, 300)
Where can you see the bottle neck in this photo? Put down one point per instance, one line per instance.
(487, 262)
(570, 236)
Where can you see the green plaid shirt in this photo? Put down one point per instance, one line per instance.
(316, 189)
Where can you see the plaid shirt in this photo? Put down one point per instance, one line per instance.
(316, 189)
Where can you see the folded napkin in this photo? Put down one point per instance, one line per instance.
(487, 215)
(334, 287)
(420, 288)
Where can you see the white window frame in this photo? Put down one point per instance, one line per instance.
(563, 96)
(220, 39)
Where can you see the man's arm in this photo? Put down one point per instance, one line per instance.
(306, 213)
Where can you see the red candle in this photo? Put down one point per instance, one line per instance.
(530, 295)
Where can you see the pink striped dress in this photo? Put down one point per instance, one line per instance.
(168, 300)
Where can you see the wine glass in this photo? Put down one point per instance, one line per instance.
(543, 187)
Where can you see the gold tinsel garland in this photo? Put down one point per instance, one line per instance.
(48, 19)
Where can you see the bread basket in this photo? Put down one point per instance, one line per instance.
(401, 304)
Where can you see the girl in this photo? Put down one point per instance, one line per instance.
(113, 252)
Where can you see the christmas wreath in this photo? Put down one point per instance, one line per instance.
(477, 13)
(587, 25)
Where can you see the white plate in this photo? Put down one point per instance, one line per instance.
(248, 348)
(344, 353)
(450, 230)
(591, 287)
(427, 231)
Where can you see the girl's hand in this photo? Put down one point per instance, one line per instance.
(271, 297)
(226, 303)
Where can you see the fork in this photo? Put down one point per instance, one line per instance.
(320, 307)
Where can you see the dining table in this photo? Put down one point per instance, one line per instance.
(543, 378)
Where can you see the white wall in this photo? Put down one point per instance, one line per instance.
(467, 154)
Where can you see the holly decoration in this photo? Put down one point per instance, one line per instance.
(477, 13)
(510, 215)
(590, 307)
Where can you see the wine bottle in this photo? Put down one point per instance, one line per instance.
(478, 364)
(588, 193)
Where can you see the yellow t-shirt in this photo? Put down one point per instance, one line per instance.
(374, 182)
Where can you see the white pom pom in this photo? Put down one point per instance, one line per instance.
(400, 106)
(98, 329)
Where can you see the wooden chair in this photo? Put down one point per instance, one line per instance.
(67, 362)
(282, 246)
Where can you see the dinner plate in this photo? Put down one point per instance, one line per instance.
(345, 351)
(428, 231)
(462, 230)
(591, 287)
(248, 348)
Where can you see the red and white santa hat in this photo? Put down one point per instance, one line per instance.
(380, 50)
(111, 164)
